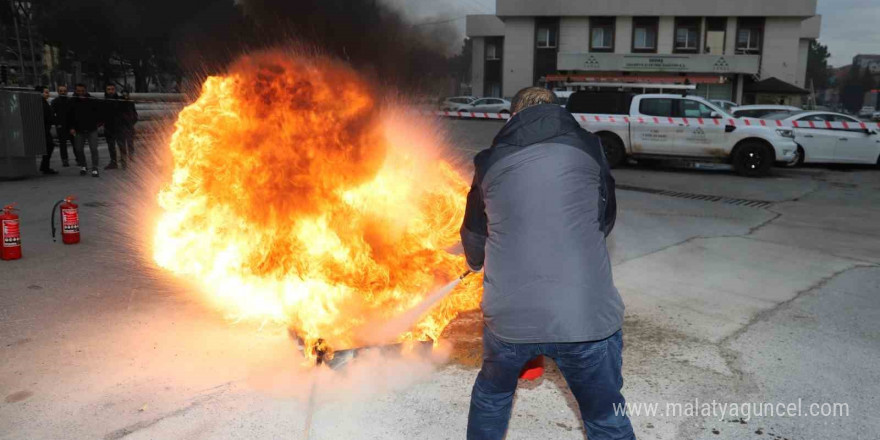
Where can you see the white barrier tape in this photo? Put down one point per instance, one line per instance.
(476, 115)
(650, 120)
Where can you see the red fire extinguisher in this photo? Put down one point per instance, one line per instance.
(533, 369)
(69, 220)
(11, 234)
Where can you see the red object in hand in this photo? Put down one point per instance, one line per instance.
(533, 369)
(10, 248)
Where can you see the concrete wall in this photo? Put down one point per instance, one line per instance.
(484, 26)
(810, 27)
(695, 8)
(623, 35)
(730, 37)
(519, 54)
(801, 72)
(781, 50)
(665, 34)
(478, 64)
(574, 34)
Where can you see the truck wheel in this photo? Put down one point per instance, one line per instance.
(752, 159)
(614, 151)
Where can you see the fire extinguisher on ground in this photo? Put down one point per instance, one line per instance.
(69, 220)
(10, 228)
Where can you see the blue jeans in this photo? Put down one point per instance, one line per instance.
(592, 370)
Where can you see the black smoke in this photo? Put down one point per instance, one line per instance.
(375, 39)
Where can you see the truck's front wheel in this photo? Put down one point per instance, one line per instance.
(614, 151)
(752, 159)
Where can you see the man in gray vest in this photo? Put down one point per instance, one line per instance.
(540, 208)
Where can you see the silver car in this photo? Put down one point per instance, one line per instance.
(489, 105)
(456, 103)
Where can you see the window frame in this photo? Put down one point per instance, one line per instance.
(649, 23)
(681, 113)
(692, 24)
(754, 26)
(494, 55)
(709, 28)
(672, 107)
(552, 37)
(609, 24)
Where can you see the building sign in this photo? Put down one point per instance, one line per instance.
(721, 64)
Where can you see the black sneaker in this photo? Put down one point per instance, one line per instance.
(110, 166)
(94, 172)
(65, 164)
(49, 171)
(83, 171)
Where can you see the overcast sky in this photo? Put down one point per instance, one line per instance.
(849, 27)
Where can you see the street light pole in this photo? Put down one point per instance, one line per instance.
(18, 41)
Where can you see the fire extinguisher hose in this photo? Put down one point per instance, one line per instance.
(54, 208)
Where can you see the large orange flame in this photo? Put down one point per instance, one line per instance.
(295, 199)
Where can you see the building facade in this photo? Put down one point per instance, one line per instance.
(723, 48)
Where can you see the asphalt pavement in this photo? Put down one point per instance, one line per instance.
(738, 291)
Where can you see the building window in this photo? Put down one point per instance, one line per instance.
(687, 34)
(644, 34)
(546, 37)
(749, 36)
(602, 34)
(492, 52)
(716, 35)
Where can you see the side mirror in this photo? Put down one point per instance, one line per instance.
(714, 115)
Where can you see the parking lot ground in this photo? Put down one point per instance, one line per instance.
(737, 290)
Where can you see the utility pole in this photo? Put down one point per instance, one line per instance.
(27, 16)
(18, 40)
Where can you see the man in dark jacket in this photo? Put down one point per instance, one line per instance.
(538, 213)
(48, 120)
(60, 106)
(83, 118)
(128, 117)
(111, 116)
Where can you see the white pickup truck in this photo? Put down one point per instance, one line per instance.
(680, 127)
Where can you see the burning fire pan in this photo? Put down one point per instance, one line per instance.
(338, 359)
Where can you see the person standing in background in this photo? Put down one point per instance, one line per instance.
(48, 120)
(60, 106)
(128, 117)
(110, 116)
(82, 118)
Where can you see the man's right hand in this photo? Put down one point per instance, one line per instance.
(72, 132)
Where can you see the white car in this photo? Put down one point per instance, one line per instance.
(488, 105)
(724, 104)
(835, 145)
(456, 103)
(759, 111)
(867, 111)
(876, 116)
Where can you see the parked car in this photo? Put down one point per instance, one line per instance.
(455, 103)
(562, 96)
(876, 116)
(724, 104)
(867, 111)
(751, 149)
(488, 105)
(833, 145)
(759, 111)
